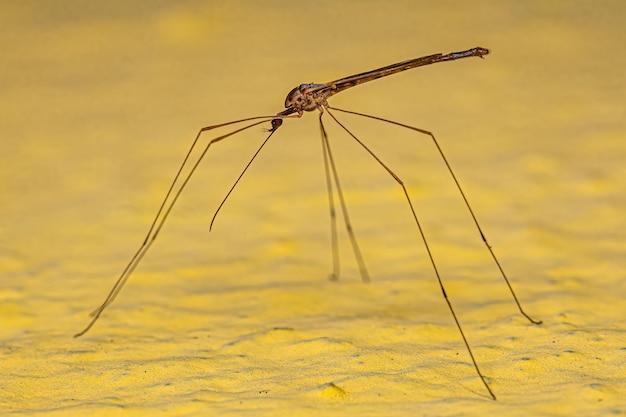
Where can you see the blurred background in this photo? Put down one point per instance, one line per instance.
(100, 101)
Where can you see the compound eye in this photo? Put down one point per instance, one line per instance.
(276, 123)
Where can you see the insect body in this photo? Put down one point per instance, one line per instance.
(306, 98)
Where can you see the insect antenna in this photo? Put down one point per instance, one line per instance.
(166, 207)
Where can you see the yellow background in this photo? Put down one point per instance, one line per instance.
(99, 102)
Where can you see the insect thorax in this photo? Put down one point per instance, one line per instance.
(305, 97)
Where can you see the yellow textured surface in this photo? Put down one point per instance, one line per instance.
(99, 102)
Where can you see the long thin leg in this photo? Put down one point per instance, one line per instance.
(430, 255)
(467, 204)
(331, 203)
(164, 212)
(344, 208)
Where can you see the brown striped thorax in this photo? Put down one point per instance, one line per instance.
(311, 96)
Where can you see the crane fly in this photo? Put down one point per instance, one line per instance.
(306, 98)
